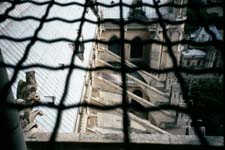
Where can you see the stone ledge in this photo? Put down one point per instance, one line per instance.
(118, 138)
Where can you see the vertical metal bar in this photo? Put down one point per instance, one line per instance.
(11, 135)
(126, 121)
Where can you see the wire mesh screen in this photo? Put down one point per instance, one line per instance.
(157, 11)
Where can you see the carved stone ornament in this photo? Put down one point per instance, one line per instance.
(27, 94)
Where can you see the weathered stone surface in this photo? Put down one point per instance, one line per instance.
(115, 141)
(135, 138)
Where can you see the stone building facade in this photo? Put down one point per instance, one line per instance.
(143, 88)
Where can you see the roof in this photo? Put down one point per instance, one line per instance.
(193, 53)
(114, 12)
(201, 35)
(50, 83)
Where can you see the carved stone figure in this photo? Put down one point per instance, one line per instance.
(27, 89)
(27, 94)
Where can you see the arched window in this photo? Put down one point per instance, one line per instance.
(137, 107)
(138, 93)
(136, 48)
(114, 45)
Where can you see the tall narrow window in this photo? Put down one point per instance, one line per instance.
(114, 45)
(198, 62)
(188, 63)
(136, 48)
(170, 9)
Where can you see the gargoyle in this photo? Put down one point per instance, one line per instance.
(27, 90)
(27, 94)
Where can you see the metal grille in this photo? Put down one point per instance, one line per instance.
(122, 69)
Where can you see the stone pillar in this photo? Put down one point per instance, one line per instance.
(11, 135)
